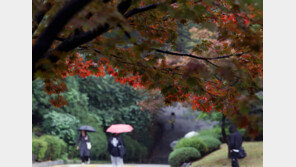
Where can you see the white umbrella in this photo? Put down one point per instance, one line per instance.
(191, 134)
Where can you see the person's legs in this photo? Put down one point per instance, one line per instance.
(234, 161)
(82, 159)
(120, 162)
(86, 159)
(113, 160)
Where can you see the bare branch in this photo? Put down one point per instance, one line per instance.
(140, 10)
(123, 6)
(197, 57)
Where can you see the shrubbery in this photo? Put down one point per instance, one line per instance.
(61, 125)
(72, 152)
(192, 142)
(55, 147)
(182, 155)
(134, 150)
(215, 132)
(211, 142)
(99, 144)
(39, 148)
(206, 141)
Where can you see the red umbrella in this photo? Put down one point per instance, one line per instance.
(120, 128)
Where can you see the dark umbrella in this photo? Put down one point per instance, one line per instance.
(86, 128)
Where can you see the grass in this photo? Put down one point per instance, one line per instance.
(219, 158)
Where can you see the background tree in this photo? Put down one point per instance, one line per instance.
(99, 102)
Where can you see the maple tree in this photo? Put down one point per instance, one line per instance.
(136, 42)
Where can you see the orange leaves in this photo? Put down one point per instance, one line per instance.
(202, 102)
(233, 31)
(228, 18)
(76, 65)
(54, 88)
(59, 101)
(218, 97)
(134, 81)
(254, 64)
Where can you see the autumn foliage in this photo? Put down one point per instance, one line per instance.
(135, 41)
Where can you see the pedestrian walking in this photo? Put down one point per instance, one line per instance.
(172, 120)
(116, 146)
(235, 145)
(116, 149)
(84, 147)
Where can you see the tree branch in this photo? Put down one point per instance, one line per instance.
(62, 17)
(170, 70)
(40, 15)
(197, 57)
(123, 6)
(140, 10)
(73, 42)
(54, 27)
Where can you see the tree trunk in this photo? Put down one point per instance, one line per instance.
(224, 137)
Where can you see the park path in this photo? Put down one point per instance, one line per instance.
(185, 122)
(109, 165)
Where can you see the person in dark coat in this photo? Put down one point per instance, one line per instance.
(84, 151)
(115, 144)
(235, 143)
(172, 120)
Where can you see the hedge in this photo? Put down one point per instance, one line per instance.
(214, 132)
(55, 147)
(39, 148)
(99, 144)
(211, 142)
(134, 150)
(192, 142)
(182, 155)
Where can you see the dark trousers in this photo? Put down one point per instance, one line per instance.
(84, 158)
(234, 161)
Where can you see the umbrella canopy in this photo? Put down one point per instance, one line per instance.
(86, 128)
(191, 134)
(120, 128)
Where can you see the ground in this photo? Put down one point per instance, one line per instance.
(219, 158)
(105, 165)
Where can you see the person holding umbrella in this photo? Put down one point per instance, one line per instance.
(116, 146)
(85, 144)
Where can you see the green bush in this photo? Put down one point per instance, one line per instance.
(39, 148)
(214, 132)
(134, 150)
(61, 125)
(55, 147)
(192, 142)
(72, 152)
(65, 158)
(182, 155)
(211, 142)
(99, 144)
(76, 160)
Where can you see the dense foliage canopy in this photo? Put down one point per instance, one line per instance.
(142, 43)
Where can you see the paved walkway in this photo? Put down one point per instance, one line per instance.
(109, 165)
(185, 122)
